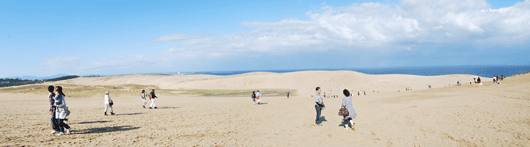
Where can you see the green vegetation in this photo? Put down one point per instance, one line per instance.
(84, 91)
(17, 82)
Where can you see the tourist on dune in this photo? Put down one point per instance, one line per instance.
(108, 103)
(258, 96)
(152, 97)
(318, 105)
(61, 111)
(52, 111)
(143, 98)
(253, 96)
(347, 103)
(478, 81)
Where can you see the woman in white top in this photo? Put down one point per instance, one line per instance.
(143, 98)
(61, 111)
(108, 103)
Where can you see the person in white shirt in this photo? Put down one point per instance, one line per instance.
(258, 96)
(108, 103)
(144, 98)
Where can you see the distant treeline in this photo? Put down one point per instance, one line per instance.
(16, 82)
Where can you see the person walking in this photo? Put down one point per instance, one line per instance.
(258, 96)
(108, 103)
(144, 98)
(152, 97)
(253, 96)
(347, 103)
(52, 110)
(318, 106)
(61, 111)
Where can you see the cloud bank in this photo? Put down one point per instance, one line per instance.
(407, 25)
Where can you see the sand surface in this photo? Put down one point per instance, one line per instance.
(467, 115)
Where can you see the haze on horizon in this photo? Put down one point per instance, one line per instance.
(100, 37)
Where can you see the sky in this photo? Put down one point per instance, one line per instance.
(40, 38)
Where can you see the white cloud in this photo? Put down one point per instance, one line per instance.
(374, 26)
(61, 62)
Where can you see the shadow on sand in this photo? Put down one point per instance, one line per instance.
(129, 114)
(262, 103)
(105, 129)
(93, 122)
(323, 118)
(166, 107)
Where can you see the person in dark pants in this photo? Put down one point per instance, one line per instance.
(253, 96)
(53, 120)
(318, 106)
(61, 111)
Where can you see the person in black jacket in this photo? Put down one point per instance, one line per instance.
(53, 119)
(253, 97)
(152, 97)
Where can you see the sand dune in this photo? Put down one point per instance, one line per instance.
(468, 115)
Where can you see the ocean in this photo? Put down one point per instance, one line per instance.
(483, 71)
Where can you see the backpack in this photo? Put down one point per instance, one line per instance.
(343, 112)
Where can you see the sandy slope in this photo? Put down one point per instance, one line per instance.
(490, 115)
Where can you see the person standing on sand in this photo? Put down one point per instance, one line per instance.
(108, 103)
(347, 103)
(52, 110)
(478, 81)
(258, 96)
(61, 111)
(152, 97)
(318, 106)
(143, 98)
(253, 96)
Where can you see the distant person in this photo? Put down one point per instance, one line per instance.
(108, 103)
(347, 103)
(479, 82)
(324, 95)
(318, 106)
(253, 96)
(494, 79)
(144, 99)
(152, 97)
(502, 77)
(288, 94)
(61, 111)
(53, 119)
(364, 92)
(258, 96)
(475, 80)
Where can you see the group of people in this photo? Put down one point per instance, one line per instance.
(257, 96)
(496, 79)
(58, 110)
(347, 121)
(151, 97)
(477, 81)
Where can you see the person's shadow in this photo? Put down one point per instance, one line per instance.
(105, 129)
(323, 118)
(166, 107)
(92, 122)
(129, 114)
(263, 103)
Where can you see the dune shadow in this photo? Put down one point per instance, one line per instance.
(167, 107)
(263, 103)
(105, 129)
(92, 122)
(129, 114)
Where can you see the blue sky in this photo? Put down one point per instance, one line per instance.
(123, 37)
